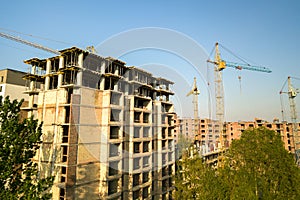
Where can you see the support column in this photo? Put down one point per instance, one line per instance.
(32, 88)
(102, 82)
(79, 73)
(48, 70)
(60, 75)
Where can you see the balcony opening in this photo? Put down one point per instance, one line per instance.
(114, 149)
(113, 168)
(166, 108)
(136, 179)
(115, 98)
(170, 156)
(146, 117)
(136, 147)
(136, 163)
(146, 146)
(164, 158)
(145, 192)
(136, 132)
(170, 182)
(145, 177)
(115, 115)
(165, 185)
(64, 153)
(65, 134)
(62, 193)
(170, 120)
(67, 116)
(170, 132)
(137, 117)
(140, 103)
(146, 161)
(163, 132)
(146, 132)
(170, 170)
(114, 132)
(136, 195)
(112, 187)
(164, 146)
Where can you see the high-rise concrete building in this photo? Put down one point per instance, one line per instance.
(108, 129)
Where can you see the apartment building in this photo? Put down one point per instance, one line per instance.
(13, 85)
(207, 135)
(235, 129)
(108, 129)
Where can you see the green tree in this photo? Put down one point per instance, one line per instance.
(258, 167)
(19, 139)
(183, 145)
(195, 179)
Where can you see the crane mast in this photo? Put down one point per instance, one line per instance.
(219, 93)
(195, 92)
(292, 93)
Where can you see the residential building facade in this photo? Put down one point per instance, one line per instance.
(108, 129)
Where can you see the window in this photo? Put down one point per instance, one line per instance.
(146, 146)
(1, 79)
(114, 150)
(114, 132)
(136, 163)
(136, 147)
(146, 161)
(145, 192)
(136, 179)
(113, 168)
(62, 194)
(112, 187)
(0, 88)
(136, 195)
(136, 132)
(145, 177)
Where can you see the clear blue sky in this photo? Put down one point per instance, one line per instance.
(264, 32)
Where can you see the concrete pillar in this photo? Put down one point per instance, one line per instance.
(103, 67)
(79, 73)
(116, 86)
(48, 70)
(102, 82)
(60, 75)
(32, 82)
(117, 70)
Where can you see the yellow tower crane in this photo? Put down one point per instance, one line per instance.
(219, 66)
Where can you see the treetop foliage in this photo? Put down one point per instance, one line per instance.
(256, 166)
(19, 138)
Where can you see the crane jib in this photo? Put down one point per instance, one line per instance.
(248, 67)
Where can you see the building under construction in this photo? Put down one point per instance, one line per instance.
(284, 129)
(108, 129)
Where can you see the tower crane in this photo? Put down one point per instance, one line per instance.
(292, 94)
(219, 66)
(195, 92)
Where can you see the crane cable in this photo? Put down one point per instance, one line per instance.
(208, 85)
(35, 36)
(235, 55)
